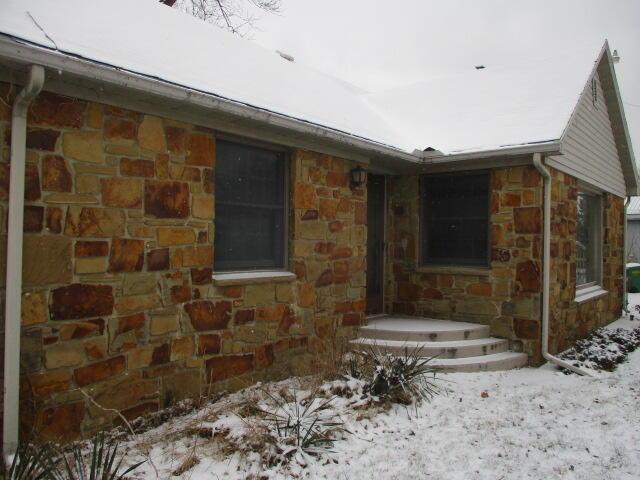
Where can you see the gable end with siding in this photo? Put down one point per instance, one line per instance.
(590, 152)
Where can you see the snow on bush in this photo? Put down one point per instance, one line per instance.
(403, 379)
(604, 348)
(302, 426)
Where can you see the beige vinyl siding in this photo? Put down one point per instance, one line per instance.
(590, 151)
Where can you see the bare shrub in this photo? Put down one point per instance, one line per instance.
(603, 349)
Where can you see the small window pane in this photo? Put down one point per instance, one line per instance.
(588, 239)
(250, 208)
(455, 219)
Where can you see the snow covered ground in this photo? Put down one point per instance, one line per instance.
(532, 423)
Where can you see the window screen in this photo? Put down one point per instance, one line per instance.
(455, 219)
(250, 207)
(588, 245)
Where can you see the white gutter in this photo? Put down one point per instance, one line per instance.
(546, 268)
(15, 49)
(625, 295)
(435, 157)
(12, 313)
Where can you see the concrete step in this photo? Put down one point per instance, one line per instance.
(485, 363)
(441, 350)
(456, 346)
(403, 328)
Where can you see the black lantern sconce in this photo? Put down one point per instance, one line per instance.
(358, 176)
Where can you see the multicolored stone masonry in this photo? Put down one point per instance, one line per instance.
(119, 303)
(119, 306)
(570, 321)
(507, 294)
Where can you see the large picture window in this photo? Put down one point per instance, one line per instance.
(455, 219)
(589, 241)
(250, 190)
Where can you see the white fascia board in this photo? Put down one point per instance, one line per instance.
(552, 147)
(635, 190)
(26, 53)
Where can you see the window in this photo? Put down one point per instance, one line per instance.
(250, 189)
(455, 219)
(588, 242)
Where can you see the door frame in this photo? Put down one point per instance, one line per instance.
(385, 194)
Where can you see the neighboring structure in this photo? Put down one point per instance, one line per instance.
(633, 230)
(198, 225)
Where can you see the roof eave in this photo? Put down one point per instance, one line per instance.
(550, 147)
(622, 137)
(26, 53)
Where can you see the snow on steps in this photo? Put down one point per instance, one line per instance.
(458, 346)
(452, 349)
(422, 329)
(485, 363)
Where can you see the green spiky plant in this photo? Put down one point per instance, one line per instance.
(304, 424)
(399, 378)
(45, 463)
(31, 463)
(105, 464)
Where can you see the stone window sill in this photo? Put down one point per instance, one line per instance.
(589, 293)
(455, 270)
(245, 278)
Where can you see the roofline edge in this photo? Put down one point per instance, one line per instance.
(548, 148)
(25, 52)
(625, 127)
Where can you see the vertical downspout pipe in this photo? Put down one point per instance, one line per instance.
(625, 295)
(546, 268)
(12, 313)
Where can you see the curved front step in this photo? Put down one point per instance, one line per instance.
(486, 363)
(441, 350)
(406, 329)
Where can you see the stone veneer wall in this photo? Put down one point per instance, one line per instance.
(118, 298)
(570, 321)
(507, 296)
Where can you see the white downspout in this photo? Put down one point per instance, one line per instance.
(12, 313)
(546, 267)
(625, 295)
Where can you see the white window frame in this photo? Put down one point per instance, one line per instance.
(593, 289)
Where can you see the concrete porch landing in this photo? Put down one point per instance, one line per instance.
(458, 346)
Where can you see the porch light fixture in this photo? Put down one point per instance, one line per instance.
(358, 176)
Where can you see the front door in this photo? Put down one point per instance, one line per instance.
(375, 243)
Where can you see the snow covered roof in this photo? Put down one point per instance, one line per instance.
(151, 39)
(519, 102)
(478, 110)
(634, 206)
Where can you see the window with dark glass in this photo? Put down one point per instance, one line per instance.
(588, 242)
(455, 219)
(250, 190)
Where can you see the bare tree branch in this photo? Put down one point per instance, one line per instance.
(233, 15)
(225, 16)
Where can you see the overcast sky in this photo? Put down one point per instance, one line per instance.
(379, 45)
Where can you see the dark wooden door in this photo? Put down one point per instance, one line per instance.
(375, 243)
